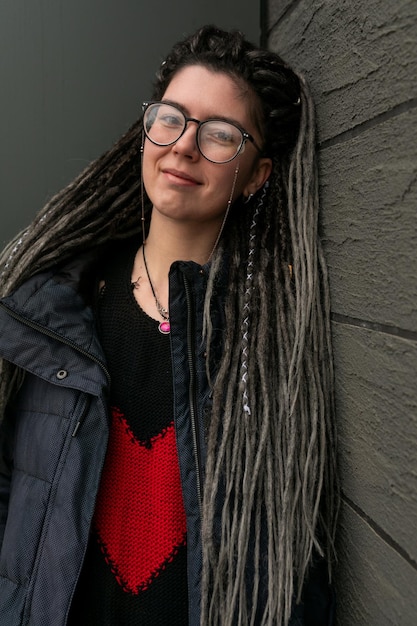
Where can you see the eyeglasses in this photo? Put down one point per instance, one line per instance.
(217, 140)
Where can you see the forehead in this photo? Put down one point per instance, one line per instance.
(203, 93)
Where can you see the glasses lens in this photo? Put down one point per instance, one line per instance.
(163, 123)
(219, 141)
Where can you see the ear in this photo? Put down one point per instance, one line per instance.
(260, 175)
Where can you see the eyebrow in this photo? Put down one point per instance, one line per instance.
(221, 118)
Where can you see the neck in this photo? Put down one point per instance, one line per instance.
(167, 242)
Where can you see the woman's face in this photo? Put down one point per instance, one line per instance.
(180, 182)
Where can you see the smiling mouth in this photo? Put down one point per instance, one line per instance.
(180, 177)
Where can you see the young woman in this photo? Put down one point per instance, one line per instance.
(168, 447)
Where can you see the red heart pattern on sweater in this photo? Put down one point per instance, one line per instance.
(139, 515)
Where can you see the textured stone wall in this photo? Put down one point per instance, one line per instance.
(360, 59)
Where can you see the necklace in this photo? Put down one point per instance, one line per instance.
(164, 327)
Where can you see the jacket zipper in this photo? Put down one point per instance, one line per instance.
(195, 427)
(50, 333)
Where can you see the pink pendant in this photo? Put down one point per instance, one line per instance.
(164, 327)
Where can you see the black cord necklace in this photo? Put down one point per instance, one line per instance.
(164, 327)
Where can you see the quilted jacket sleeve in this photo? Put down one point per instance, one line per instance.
(5, 470)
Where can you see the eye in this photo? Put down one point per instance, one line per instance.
(222, 133)
(170, 117)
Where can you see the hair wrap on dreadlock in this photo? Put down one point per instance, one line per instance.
(246, 306)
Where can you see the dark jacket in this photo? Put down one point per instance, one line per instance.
(54, 439)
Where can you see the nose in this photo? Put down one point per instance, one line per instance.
(187, 143)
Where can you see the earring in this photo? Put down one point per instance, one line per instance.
(248, 198)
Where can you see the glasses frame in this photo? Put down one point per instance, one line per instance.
(245, 135)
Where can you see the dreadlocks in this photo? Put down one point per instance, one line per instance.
(271, 441)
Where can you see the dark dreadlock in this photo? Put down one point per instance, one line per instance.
(271, 445)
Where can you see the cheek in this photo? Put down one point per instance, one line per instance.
(222, 183)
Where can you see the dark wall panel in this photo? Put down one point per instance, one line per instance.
(376, 396)
(370, 222)
(375, 586)
(73, 74)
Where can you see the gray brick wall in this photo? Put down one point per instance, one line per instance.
(361, 61)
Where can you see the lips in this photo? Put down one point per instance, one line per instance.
(179, 177)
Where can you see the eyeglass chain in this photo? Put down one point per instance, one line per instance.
(165, 326)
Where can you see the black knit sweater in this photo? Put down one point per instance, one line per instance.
(135, 568)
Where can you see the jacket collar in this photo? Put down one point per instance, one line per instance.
(49, 317)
